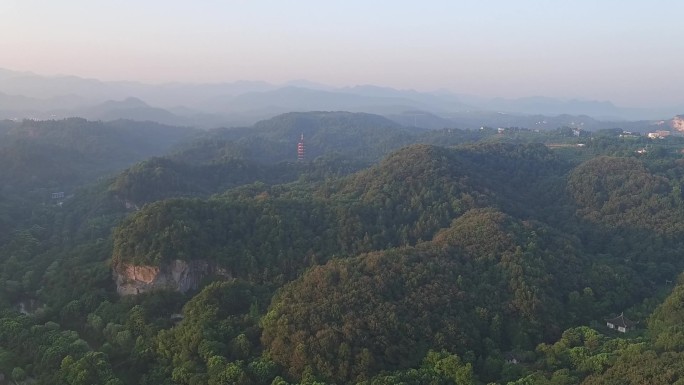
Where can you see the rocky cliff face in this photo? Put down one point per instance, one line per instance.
(677, 123)
(177, 275)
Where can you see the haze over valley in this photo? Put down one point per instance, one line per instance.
(30, 96)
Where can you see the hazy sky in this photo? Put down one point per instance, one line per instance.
(628, 51)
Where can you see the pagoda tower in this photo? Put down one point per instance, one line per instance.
(301, 150)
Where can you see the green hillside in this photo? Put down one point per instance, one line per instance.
(66, 153)
(383, 258)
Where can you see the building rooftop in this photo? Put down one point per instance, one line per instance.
(621, 321)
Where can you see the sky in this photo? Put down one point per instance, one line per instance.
(628, 52)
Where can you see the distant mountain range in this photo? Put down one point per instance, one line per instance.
(27, 95)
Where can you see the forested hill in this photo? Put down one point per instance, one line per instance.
(399, 262)
(65, 153)
(336, 143)
(406, 198)
(505, 279)
(483, 286)
(216, 160)
(64, 157)
(356, 135)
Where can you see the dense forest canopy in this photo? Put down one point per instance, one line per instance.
(388, 255)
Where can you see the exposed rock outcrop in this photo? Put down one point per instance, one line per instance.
(677, 123)
(178, 276)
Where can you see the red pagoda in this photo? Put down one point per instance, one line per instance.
(301, 150)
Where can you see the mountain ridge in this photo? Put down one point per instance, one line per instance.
(260, 99)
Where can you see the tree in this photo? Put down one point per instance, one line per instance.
(18, 374)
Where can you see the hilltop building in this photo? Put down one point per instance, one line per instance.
(621, 323)
(660, 134)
